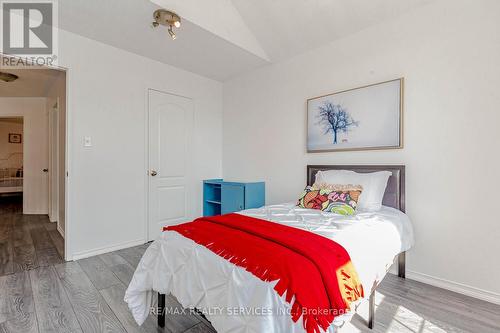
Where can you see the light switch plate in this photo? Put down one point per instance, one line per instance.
(87, 141)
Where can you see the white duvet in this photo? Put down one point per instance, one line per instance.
(236, 301)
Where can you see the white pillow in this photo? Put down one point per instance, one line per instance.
(374, 185)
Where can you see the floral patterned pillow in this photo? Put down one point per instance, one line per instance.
(339, 199)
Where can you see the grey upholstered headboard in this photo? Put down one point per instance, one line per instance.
(395, 191)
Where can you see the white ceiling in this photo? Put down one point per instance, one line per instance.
(219, 17)
(221, 39)
(288, 27)
(126, 24)
(31, 82)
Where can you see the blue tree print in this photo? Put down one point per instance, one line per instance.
(335, 119)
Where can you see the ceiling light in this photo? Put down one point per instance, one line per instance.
(168, 19)
(171, 33)
(8, 77)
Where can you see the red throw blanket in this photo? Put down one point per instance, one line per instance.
(314, 269)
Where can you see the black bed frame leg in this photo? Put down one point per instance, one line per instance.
(371, 311)
(401, 274)
(402, 265)
(161, 310)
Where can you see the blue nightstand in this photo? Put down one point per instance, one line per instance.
(220, 197)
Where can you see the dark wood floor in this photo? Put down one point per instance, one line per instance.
(87, 295)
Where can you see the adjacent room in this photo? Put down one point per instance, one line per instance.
(284, 166)
(11, 157)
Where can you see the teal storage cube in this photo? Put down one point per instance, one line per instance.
(221, 197)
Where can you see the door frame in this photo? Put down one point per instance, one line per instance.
(54, 145)
(68, 133)
(67, 151)
(147, 165)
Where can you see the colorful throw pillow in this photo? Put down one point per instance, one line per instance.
(339, 199)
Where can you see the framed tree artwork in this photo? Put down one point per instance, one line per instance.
(369, 117)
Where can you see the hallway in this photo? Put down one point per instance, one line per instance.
(26, 241)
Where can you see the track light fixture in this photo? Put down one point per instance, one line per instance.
(168, 19)
(171, 33)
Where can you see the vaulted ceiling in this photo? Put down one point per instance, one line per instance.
(222, 39)
(288, 27)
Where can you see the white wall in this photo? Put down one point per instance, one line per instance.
(107, 95)
(11, 154)
(35, 141)
(448, 53)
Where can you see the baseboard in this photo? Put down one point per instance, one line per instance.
(463, 289)
(60, 230)
(106, 249)
(34, 212)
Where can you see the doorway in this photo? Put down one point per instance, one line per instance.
(170, 176)
(32, 225)
(11, 157)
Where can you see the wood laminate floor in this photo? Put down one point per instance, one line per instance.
(26, 241)
(41, 294)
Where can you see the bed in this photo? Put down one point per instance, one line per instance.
(200, 279)
(11, 181)
(11, 185)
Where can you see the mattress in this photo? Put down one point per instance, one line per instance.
(233, 299)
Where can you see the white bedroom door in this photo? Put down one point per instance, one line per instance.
(36, 163)
(170, 180)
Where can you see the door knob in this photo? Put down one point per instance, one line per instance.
(153, 173)
(45, 170)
